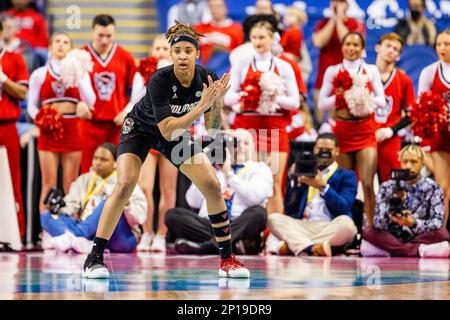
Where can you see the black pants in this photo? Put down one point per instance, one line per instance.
(186, 224)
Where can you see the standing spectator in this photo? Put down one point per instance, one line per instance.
(32, 26)
(13, 88)
(416, 228)
(112, 78)
(221, 34)
(417, 28)
(190, 12)
(328, 39)
(318, 208)
(9, 39)
(292, 39)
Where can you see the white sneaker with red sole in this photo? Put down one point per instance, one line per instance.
(231, 268)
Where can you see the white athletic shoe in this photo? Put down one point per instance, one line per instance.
(81, 245)
(435, 250)
(146, 242)
(94, 268)
(45, 241)
(63, 242)
(158, 244)
(273, 244)
(369, 250)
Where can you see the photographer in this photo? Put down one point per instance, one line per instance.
(318, 206)
(409, 214)
(246, 186)
(73, 222)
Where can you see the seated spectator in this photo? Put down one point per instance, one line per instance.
(318, 208)
(416, 28)
(221, 34)
(418, 229)
(246, 185)
(76, 223)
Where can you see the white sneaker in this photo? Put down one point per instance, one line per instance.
(435, 250)
(81, 245)
(45, 241)
(158, 244)
(369, 250)
(145, 243)
(273, 244)
(63, 242)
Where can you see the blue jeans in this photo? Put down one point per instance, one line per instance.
(122, 239)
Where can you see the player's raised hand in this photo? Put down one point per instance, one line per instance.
(208, 94)
(223, 86)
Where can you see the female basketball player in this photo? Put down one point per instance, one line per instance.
(436, 78)
(358, 146)
(176, 96)
(48, 88)
(273, 148)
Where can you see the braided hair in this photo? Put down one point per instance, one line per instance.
(413, 148)
(179, 29)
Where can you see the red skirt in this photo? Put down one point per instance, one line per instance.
(442, 141)
(71, 140)
(269, 132)
(355, 135)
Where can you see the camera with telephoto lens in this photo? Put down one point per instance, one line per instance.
(397, 203)
(55, 200)
(304, 158)
(215, 149)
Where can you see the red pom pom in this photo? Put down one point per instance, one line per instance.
(253, 90)
(49, 122)
(147, 67)
(429, 115)
(342, 82)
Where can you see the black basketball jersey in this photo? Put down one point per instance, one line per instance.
(166, 97)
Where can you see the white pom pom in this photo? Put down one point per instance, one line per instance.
(271, 86)
(359, 99)
(74, 66)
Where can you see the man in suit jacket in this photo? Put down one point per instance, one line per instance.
(318, 209)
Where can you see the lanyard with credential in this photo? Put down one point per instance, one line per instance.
(312, 192)
(91, 191)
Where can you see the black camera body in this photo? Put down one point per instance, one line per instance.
(397, 203)
(55, 200)
(215, 148)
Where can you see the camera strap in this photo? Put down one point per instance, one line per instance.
(93, 189)
(312, 192)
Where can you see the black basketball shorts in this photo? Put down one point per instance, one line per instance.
(137, 139)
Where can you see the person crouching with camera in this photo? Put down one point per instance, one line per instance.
(72, 221)
(409, 213)
(318, 206)
(246, 187)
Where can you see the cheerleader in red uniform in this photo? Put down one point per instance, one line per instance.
(49, 88)
(355, 125)
(273, 146)
(436, 78)
(167, 171)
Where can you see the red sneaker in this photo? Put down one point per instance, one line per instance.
(231, 268)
